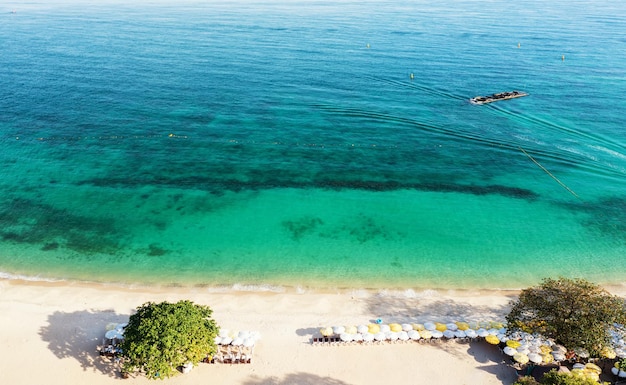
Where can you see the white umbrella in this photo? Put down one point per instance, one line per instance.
(362, 329)
(407, 327)
(414, 335)
(509, 351)
(113, 334)
(368, 337)
(436, 334)
(430, 326)
(451, 326)
(345, 337)
(385, 328)
(243, 334)
(339, 329)
(218, 340)
(226, 340)
(380, 336)
(248, 342)
(460, 334)
(223, 333)
(448, 333)
(482, 332)
(237, 342)
(558, 356)
(471, 333)
(392, 336)
(403, 336)
(493, 332)
(358, 337)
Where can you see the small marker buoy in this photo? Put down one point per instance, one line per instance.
(519, 45)
(411, 76)
(562, 57)
(171, 135)
(368, 45)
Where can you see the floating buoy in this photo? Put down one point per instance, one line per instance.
(519, 45)
(368, 45)
(411, 76)
(171, 135)
(562, 57)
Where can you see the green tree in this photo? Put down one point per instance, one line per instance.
(555, 378)
(575, 312)
(162, 336)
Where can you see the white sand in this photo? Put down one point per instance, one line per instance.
(49, 333)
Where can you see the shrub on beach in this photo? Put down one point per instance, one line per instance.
(163, 336)
(574, 312)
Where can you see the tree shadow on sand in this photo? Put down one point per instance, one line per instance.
(400, 308)
(295, 378)
(76, 335)
(492, 360)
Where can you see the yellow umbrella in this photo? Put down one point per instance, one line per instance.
(418, 327)
(351, 329)
(521, 358)
(326, 332)
(514, 344)
(373, 328)
(496, 325)
(593, 367)
(395, 327)
(547, 358)
(545, 349)
(441, 327)
(607, 352)
(462, 325)
(426, 334)
(492, 339)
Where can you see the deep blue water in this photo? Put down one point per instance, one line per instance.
(316, 144)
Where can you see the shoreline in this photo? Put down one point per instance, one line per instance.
(59, 324)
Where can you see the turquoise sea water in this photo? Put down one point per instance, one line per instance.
(286, 143)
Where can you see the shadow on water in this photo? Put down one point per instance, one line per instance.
(295, 378)
(76, 336)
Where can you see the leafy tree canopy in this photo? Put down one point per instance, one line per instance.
(575, 312)
(162, 336)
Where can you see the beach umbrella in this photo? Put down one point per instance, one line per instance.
(580, 352)
(426, 334)
(418, 327)
(243, 334)
(462, 325)
(358, 337)
(326, 332)
(429, 326)
(514, 344)
(441, 327)
(608, 352)
(509, 351)
(559, 348)
(395, 327)
(460, 334)
(448, 334)
(523, 349)
(345, 337)
(392, 336)
(502, 337)
(248, 342)
(474, 325)
(407, 327)
(547, 358)
(436, 334)
(373, 328)
(471, 333)
(385, 328)
(237, 341)
(368, 337)
(521, 358)
(351, 329)
(534, 349)
(224, 333)
(338, 330)
(226, 340)
(414, 335)
(452, 326)
(362, 329)
(558, 356)
(496, 325)
(493, 332)
(535, 358)
(593, 367)
(218, 340)
(403, 336)
(380, 336)
(113, 334)
(492, 339)
(482, 332)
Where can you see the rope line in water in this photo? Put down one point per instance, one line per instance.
(549, 173)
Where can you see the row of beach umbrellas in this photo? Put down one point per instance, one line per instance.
(242, 338)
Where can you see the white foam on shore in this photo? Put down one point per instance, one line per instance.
(29, 278)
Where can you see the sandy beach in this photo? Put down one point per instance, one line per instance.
(49, 333)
